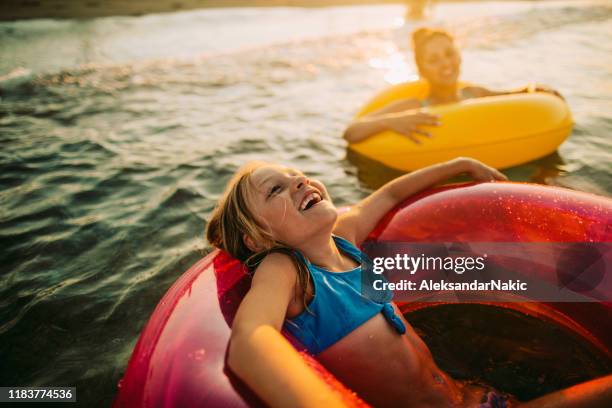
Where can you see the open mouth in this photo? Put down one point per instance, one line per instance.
(448, 72)
(310, 200)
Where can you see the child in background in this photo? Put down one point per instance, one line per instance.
(438, 61)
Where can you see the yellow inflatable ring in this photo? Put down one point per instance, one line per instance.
(501, 131)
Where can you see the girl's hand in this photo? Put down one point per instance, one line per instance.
(479, 171)
(407, 124)
(543, 88)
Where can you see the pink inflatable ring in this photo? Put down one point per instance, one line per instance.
(179, 359)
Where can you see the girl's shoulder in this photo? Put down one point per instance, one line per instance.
(275, 265)
(275, 258)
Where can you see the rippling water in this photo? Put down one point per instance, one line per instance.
(119, 134)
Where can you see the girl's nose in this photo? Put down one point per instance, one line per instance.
(299, 182)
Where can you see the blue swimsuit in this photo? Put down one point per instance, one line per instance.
(338, 306)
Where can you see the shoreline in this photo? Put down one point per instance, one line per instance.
(32, 9)
(11, 10)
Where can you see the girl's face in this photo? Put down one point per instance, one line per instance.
(290, 206)
(440, 61)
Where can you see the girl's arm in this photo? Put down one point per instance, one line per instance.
(479, 92)
(405, 123)
(357, 223)
(397, 106)
(260, 355)
(391, 117)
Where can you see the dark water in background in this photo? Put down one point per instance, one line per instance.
(109, 170)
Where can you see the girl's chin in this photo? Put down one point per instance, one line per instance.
(447, 81)
(324, 215)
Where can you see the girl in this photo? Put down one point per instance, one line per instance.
(438, 61)
(307, 280)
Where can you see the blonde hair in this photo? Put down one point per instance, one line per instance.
(232, 220)
(421, 36)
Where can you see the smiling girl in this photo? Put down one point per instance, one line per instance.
(307, 280)
(438, 61)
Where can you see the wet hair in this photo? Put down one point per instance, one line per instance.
(232, 220)
(421, 36)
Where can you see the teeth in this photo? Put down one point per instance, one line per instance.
(305, 202)
(310, 197)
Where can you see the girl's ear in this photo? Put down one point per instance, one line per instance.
(248, 241)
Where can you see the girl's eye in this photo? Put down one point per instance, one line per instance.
(274, 190)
